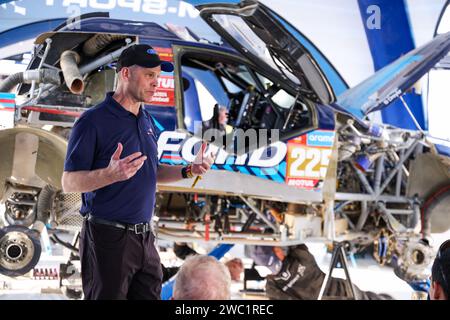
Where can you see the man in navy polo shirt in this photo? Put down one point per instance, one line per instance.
(440, 274)
(112, 158)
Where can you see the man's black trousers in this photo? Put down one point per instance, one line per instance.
(118, 263)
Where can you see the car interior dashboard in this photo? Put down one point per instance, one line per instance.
(254, 101)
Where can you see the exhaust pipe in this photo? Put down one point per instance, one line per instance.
(98, 42)
(72, 76)
(43, 75)
(71, 73)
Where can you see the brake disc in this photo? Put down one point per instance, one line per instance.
(20, 250)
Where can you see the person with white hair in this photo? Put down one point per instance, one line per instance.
(202, 277)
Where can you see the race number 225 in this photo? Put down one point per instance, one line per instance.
(307, 162)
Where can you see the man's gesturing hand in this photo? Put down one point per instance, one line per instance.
(124, 169)
(202, 161)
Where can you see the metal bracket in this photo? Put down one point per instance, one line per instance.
(338, 257)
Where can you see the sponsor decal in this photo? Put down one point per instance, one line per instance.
(320, 138)
(159, 7)
(7, 108)
(307, 159)
(165, 54)
(165, 91)
(179, 144)
(294, 163)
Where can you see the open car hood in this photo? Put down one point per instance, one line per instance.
(266, 39)
(378, 91)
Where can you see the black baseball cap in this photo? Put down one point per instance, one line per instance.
(142, 55)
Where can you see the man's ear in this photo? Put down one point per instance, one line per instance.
(125, 72)
(438, 292)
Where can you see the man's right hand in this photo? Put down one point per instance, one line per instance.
(236, 267)
(124, 169)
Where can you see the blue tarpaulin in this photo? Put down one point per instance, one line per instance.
(388, 32)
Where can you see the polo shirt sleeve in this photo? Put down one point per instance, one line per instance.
(81, 148)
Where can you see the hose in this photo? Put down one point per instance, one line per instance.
(65, 244)
(43, 75)
(98, 42)
(11, 81)
(69, 66)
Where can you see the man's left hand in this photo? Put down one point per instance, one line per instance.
(202, 162)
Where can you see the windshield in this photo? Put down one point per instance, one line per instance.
(280, 97)
(238, 29)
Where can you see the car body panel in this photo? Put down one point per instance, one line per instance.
(378, 91)
(256, 33)
(334, 78)
(25, 35)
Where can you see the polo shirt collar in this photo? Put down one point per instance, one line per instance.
(116, 108)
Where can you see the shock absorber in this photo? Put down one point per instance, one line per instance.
(207, 222)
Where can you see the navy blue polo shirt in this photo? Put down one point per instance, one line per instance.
(94, 139)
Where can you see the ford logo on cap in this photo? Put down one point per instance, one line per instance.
(151, 51)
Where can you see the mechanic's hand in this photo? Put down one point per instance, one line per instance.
(202, 161)
(236, 267)
(124, 169)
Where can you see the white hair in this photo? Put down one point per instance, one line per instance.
(202, 277)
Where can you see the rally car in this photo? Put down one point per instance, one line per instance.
(313, 163)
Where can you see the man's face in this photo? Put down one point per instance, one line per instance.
(142, 82)
(223, 117)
